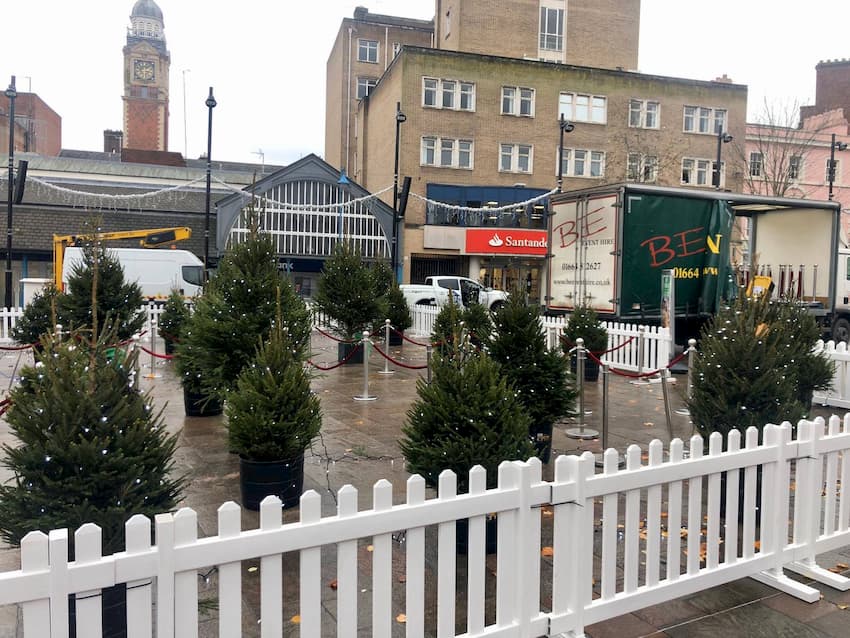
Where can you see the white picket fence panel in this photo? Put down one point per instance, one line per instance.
(667, 548)
(838, 394)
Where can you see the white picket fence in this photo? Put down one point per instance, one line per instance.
(838, 394)
(666, 548)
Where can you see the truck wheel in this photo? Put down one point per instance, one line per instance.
(841, 330)
(497, 306)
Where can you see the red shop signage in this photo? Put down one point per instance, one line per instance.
(506, 241)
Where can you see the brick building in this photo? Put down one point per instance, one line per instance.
(481, 128)
(146, 67)
(38, 128)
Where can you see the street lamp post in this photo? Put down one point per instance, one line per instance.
(399, 119)
(566, 127)
(10, 93)
(211, 104)
(834, 146)
(722, 138)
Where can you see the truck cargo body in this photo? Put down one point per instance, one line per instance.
(609, 246)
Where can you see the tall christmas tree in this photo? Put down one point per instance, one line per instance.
(540, 377)
(236, 312)
(468, 415)
(118, 301)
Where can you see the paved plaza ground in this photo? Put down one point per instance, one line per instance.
(359, 445)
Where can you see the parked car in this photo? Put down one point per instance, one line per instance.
(436, 290)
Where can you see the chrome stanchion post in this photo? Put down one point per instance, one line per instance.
(136, 369)
(692, 348)
(386, 369)
(665, 377)
(581, 432)
(428, 351)
(153, 325)
(365, 343)
(600, 458)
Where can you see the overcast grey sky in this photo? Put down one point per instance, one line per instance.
(266, 61)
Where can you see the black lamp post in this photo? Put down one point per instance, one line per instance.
(722, 138)
(834, 146)
(566, 127)
(211, 104)
(11, 93)
(399, 118)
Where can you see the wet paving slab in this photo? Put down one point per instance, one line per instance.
(358, 446)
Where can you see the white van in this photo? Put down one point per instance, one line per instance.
(157, 271)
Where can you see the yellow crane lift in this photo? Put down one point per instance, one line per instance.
(148, 238)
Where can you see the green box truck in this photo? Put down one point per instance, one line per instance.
(609, 246)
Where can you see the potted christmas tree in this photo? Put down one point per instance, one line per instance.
(349, 294)
(91, 449)
(398, 313)
(540, 377)
(174, 314)
(468, 415)
(584, 323)
(272, 416)
(233, 314)
(455, 324)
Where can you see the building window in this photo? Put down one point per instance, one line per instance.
(448, 94)
(579, 162)
(834, 173)
(517, 101)
(643, 113)
(756, 163)
(452, 153)
(642, 168)
(365, 86)
(795, 164)
(367, 51)
(697, 172)
(551, 29)
(701, 119)
(579, 107)
(515, 158)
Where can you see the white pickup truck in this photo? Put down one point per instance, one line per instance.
(436, 290)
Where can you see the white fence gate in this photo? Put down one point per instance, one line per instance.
(675, 544)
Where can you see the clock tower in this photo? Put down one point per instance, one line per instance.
(146, 65)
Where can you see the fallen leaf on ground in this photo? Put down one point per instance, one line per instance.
(648, 424)
(370, 548)
(402, 579)
(252, 569)
(333, 584)
(547, 551)
(401, 618)
(295, 620)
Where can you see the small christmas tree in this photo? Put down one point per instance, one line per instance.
(755, 366)
(398, 311)
(235, 313)
(468, 415)
(348, 293)
(118, 301)
(39, 318)
(272, 414)
(174, 315)
(455, 323)
(540, 377)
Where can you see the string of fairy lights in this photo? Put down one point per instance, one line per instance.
(88, 198)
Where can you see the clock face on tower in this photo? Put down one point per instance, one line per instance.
(143, 70)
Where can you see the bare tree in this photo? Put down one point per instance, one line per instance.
(771, 157)
(645, 157)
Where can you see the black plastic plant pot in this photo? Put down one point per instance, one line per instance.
(200, 404)
(284, 479)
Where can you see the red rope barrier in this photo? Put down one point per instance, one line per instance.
(169, 336)
(160, 356)
(347, 357)
(631, 375)
(26, 347)
(615, 348)
(398, 363)
(415, 343)
(330, 336)
(5, 404)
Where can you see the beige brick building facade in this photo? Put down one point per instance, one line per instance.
(482, 130)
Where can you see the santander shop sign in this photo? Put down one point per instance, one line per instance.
(506, 241)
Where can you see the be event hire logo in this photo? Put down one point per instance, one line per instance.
(506, 241)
